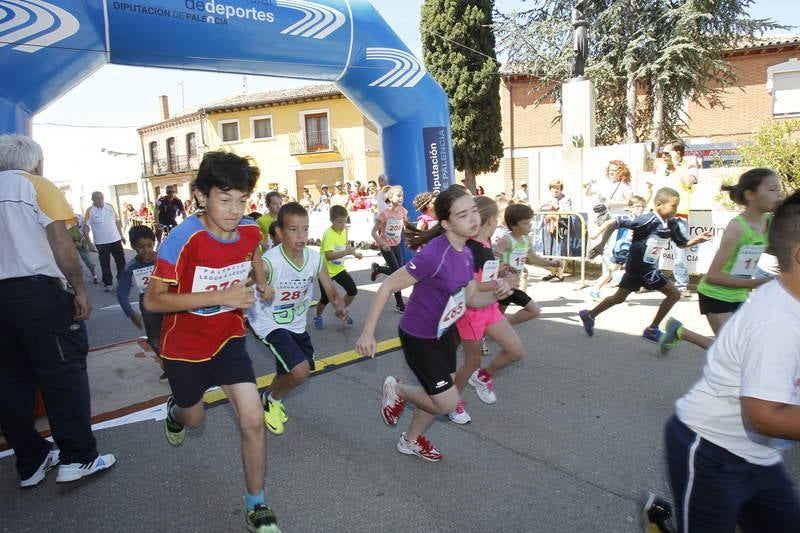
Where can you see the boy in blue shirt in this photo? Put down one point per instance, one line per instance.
(137, 272)
(651, 234)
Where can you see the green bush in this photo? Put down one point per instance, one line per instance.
(776, 145)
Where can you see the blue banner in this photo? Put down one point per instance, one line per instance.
(438, 160)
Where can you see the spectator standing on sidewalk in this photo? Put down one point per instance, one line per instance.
(106, 236)
(44, 339)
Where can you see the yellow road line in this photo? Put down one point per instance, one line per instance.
(217, 395)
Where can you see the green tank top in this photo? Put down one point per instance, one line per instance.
(517, 253)
(742, 263)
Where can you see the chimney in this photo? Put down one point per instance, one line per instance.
(164, 106)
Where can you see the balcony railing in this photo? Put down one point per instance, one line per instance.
(314, 142)
(172, 165)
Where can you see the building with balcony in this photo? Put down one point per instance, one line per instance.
(300, 137)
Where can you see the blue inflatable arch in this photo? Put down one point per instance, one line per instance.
(47, 47)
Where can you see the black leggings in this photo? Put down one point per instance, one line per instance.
(345, 280)
(394, 260)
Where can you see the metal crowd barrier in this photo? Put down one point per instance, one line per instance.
(550, 243)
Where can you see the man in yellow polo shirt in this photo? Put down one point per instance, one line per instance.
(679, 172)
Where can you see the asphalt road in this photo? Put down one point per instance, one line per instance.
(572, 442)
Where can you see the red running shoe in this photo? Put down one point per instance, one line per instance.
(421, 447)
(391, 405)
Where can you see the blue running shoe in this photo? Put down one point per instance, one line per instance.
(318, 322)
(349, 321)
(652, 334)
(588, 322)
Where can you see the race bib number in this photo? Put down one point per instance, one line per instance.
(490, 269)
(655, 245)
(290, 299)
(746, 263)
(141, 277)
(339, 261)
(518, 258)
(455, 309)
(394, 228)
(218, 279)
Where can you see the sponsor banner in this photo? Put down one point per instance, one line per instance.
(438, 163)
(699, 257)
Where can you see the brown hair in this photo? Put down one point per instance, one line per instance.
(444, 202)
(623, 171)
(749, 181)
(487, 208)
(516, 213)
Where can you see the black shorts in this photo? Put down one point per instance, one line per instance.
(345, 281)
(290, 349)
(433, 361)
(652, 280)
(189, 381)
(709, 305)
(518, 297)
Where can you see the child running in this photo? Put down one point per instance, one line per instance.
(138, 271)
(731, 276)
(273, 201)
(280, 322)
(199, 284)
(651, 234)
(423, 203)
(388, 233)
(514, 251)
(724, 442)
(484, 321)
(442, 276)
(334, 249)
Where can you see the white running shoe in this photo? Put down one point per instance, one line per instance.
(459, 415)
(391, 404)
(484, 389)
(50, 462)
(421, 447)
(76, 471)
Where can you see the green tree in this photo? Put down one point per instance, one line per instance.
(459, 51)
(776, 145)
(647, 57)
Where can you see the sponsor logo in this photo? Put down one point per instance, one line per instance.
(412, 266)
(407, 71)
(318, 20)
(31, 25)
(441, 384)
(219, 12)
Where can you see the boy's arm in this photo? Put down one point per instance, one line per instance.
(538, 260)
(604, 232)
(124, 283)
(158, 299)
(260, 269)
(333, 296)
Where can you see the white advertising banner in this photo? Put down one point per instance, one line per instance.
(699, 257)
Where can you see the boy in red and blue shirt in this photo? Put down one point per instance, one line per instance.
(200, 284)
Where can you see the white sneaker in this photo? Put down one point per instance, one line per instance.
(49, 463)
(460, 415)
(421, 447)
(76, 471)
(484, 389)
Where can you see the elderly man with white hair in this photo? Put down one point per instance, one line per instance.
(42, 334)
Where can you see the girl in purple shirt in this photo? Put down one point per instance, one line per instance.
(442, 276)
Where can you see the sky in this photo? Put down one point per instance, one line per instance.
(117, 99)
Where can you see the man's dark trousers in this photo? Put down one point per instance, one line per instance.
(104, 251)
(42, 345)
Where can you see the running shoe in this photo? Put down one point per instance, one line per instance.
(595, 296)
(274, 415)
(95, 280)
(400, 308)
(484, 347)
(318, 322)
(460, 415)
(108, 288)
(262, 520)
(391, 404)
(175, 432)
(588, 322)
(421, 447)
(652, 334)
(75, 471)
(484, 387)
(374, 275)
(349, 321)
(671, 337)
(656, 514)
(50, 462)
(163, 377)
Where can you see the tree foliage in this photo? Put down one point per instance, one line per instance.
(459, 51)
(776, 145)
(668, 51)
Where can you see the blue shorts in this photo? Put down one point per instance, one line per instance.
(634, 279)
(290, 349)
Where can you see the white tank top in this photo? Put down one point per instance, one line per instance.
(103, 222)
(293, 287)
